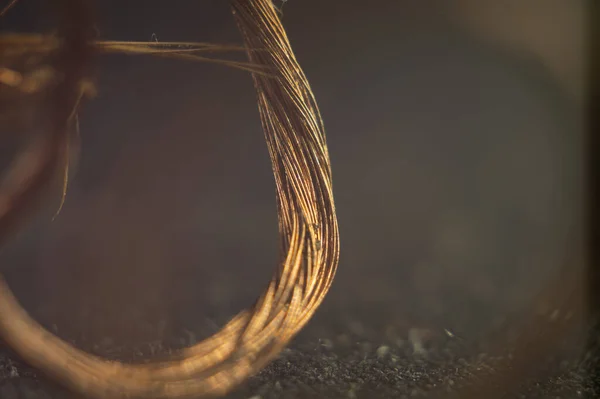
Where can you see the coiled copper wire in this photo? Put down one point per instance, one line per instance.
(308, 231)
(307, 226)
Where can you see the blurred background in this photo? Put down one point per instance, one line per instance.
(455, 132)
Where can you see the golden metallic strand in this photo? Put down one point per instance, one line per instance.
(307, 223)
(307, 226)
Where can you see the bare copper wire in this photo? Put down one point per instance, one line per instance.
(308, 236)
(309, 245)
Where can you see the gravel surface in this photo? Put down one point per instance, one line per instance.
(330, 361)
(453, 182)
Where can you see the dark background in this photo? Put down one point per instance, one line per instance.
(456, 143)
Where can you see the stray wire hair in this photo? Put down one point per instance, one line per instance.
(308, 229)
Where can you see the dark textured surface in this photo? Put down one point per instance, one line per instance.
(455, 175)
(348, 365)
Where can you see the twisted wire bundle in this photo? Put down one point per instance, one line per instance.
(307, 226)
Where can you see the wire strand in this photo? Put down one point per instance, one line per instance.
(308, 232)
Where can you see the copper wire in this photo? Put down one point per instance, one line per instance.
(308, 236)
(307, 226)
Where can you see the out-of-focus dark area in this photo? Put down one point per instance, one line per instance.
(455, 132)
